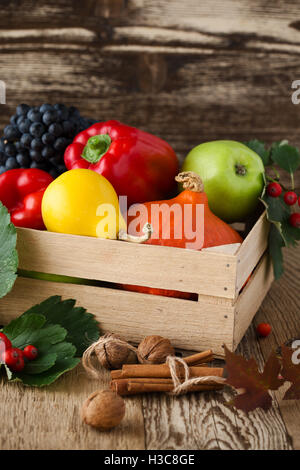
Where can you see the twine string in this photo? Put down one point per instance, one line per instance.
(175, 365)
(185, 386)
(91, 350)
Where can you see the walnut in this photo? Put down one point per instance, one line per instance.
(155, 350)
(103, 409)
(111, 354)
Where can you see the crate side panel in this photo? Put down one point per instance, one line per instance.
(251, 250)
(251, 298)
(188, 325)
(126, 263)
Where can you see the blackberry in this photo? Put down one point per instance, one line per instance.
(37, 137)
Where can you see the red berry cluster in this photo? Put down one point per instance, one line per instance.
(290, 198)
(14, 358)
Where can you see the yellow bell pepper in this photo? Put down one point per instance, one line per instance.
(82, 202)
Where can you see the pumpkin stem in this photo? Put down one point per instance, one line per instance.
(125, 237)
(190, 181)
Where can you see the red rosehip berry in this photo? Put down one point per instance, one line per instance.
(30, 352)
(299, 201)
(19, 365)
(13, 358)
(5, 343)
(295, 220)
(263, 329)
(290, 198)
(274, 189)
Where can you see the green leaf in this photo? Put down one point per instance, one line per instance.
(275, 249)
(64, 362)
(287, 157)
(278, 211)
(82, 328)
(290, 234)
(22, 324)
(259, 147)
(8, 253)
(32, 329)
(41, 364)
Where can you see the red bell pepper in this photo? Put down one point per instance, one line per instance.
(139, 165)
(21, 192)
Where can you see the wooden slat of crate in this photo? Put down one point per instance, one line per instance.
(251, 250)
(189, 325)
(251, 298)
(120, 262)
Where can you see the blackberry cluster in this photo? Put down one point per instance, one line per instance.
(38, 136)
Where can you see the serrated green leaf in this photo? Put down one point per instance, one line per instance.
(56, 356)
(287, 157)
(48, 377)
(275, 249)
(8, 253)
(290, 234)
(32, 329)
(82, 328)
(22, 324)
(278, 211)
(41, 364)
(259, 147)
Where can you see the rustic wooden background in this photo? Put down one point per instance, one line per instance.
(188, 71)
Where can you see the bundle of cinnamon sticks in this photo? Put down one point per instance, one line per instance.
(133, 379)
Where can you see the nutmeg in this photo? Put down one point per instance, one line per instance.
(154, 350)
(113, 354)
(103, 409)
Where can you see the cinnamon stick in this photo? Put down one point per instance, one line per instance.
(135, 388)
(146, 385)
(163, 371)
(199, 358)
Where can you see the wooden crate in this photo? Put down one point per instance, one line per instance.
(221, 314)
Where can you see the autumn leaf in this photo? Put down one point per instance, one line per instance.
(244, 374)
(291, 372)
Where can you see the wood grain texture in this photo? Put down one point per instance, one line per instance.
(198, 325)
(204, 421)
(49, 418)
(251, 250)
(251, 298)
(281, 309)
(197, 421)
(188, 71)
(187, 270)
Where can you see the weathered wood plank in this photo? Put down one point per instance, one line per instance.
(281, 309)
(173, 61)
(190, 325)
(251, 250)
(251, 297)
(184, 270)
(204, 421)
(48, 418)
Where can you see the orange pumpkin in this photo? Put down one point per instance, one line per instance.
(214, 230)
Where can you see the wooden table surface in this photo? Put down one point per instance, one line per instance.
(49, 418)
(188, 71)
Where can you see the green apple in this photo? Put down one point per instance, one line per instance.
(232, 175)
